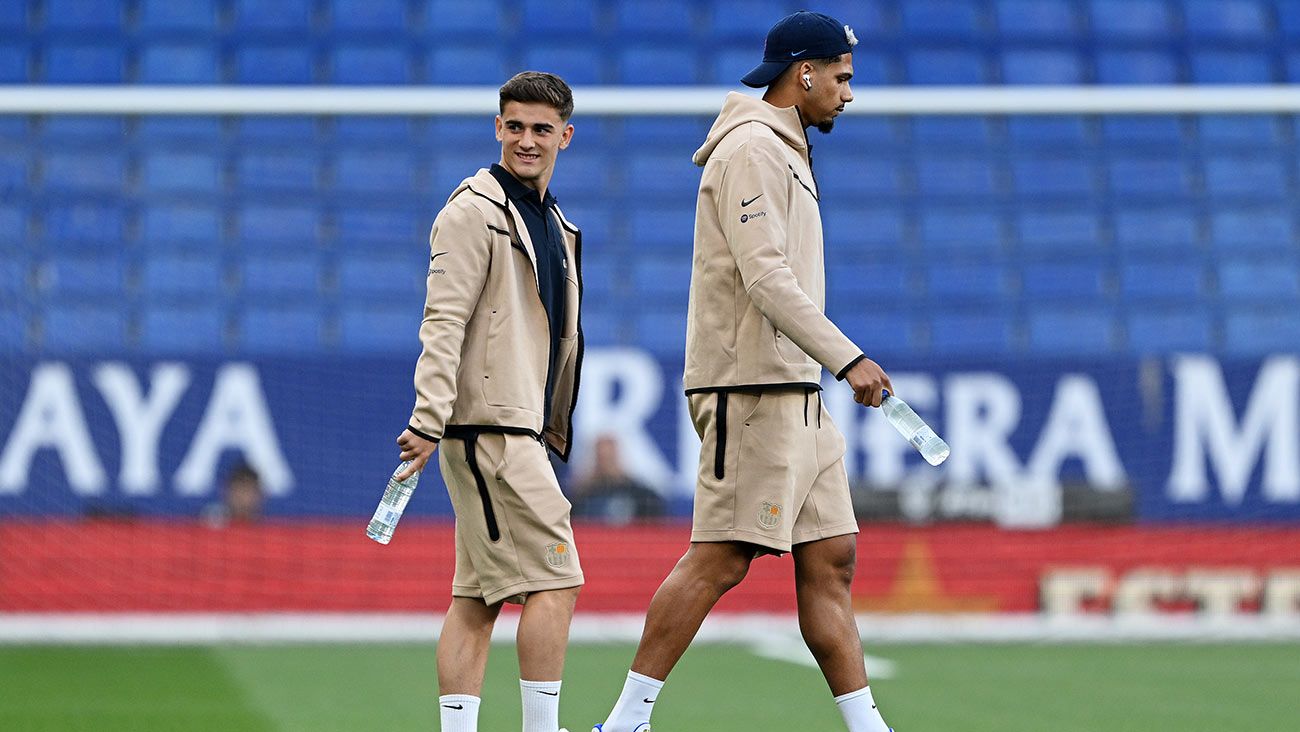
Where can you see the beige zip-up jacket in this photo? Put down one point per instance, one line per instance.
(758, 280)
(485, 332)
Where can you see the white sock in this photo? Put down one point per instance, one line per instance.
(860, 713)
(459, 712)
(634, 704)
(541, 705)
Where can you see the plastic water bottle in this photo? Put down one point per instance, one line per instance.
(914, 429)
(391, 506)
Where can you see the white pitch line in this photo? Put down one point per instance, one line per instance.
(789, 649)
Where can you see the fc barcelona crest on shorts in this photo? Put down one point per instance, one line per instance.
(557, 554)
(769, 515)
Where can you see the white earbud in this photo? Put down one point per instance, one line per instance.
(807, 82)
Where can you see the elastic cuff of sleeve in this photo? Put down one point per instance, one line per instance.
(418, 433)
(845, 371)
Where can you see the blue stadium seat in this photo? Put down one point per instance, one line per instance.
(583, 173)
(1062, 231)
(970, 229)
(1275, 280)
(601, 328)
(388, 329)
(92, 17)
(176, 63)
(668, 230)
(472, 18)
(965, 332)
(1231, 67)
(374, 172)
(288, 277)
(177, 15)
(281, 330)
(460, 131)
(15, 63)
(83, 277)
(13, 330)
(198, 276)
(551, 19)
(84, 63)
(1047, 132)
(664, 280)
(655, 18)
(60, 129)
(297, 226)
(1258, 332)
(1079, 281)
(602, 280)
(165, 171)
(365, 275)
(952, 282)
(84, 222)
(181, 223)
(1251, 177)
(450, 167)
(644, 64)
(84, 172)
(683, 134)
(727, 65)
(165, 130)
(1132, 175)
(597, 227)
(13, 18)
(847, 179)
(190, 329)
(13, 172)
(378, 226)
(1042, 66)
(1132, 19)
(14, 279)
(285, 171)
(1227, 20)
(380, 132)
(957, 132)
(1073, 331)
(1167, 331)
(1128, 66)
(1053, 176)
(744, 20)
(277, 130)
(467, 64)
(961, 176)
(1037, 19)
(1255, 228)
(282, 16)
(653, 173)
(1162, 280)
(1288, 18)
(662, 332)
(946, 66)
(888, 332)
(1143, 131)
(370, 64)
(13, 227)
(273, 64)
(1235, 131)
(943, 19)
(852, 282)
(1161, 228)
(576, 63)
(80, 329)
(370, 16)
(867, 229)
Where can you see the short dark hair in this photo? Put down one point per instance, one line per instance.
(539, 87)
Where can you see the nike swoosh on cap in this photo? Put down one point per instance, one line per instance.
(796, 53)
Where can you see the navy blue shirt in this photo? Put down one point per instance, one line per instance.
(548, 245)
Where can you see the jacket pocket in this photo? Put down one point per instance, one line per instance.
(788, 350)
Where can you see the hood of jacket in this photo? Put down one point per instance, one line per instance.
(740, 109)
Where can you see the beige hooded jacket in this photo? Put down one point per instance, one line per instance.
(485, 330)
(758, 280)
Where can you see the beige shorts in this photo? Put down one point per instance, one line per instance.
(771, 469)
(512, 522)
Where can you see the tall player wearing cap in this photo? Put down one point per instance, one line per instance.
(771, 477)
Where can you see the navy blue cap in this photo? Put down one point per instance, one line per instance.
(796, 37)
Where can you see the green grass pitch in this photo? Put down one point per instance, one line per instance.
(350, 688)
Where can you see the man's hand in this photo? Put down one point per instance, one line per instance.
(416, 449)
(868, 380)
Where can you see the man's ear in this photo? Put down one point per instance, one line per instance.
(498, 124)
(566, 137)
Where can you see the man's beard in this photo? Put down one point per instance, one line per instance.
(826, 127)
